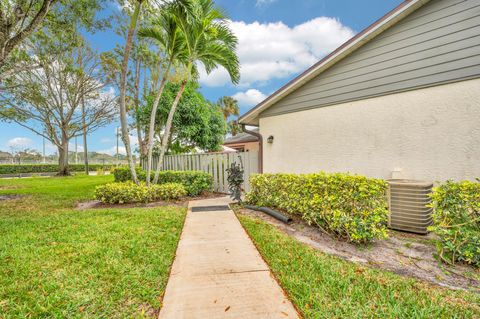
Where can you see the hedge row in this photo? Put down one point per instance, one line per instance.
(349, 206)
(44, 168)
(127, 193)
(456, 221)
(195, 182)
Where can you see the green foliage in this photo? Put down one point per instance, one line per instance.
(45, 168)
(128, 193)
(235, 180)
(122, 174)
(194, 182)
(196, 123)
(456, 221)
(349, 206)
(170, 191)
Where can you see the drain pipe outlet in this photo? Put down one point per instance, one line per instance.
(270, 212)
(260, 147)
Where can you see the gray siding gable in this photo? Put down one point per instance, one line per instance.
(439, 43)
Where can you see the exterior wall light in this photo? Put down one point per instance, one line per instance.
(270, 139)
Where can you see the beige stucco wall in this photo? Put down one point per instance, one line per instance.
(428, 134)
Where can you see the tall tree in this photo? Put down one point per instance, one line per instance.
(229, 106)
(209, 41)
(49, 100)
(197, 125)
(22, 19)
(167, 35)
(18, 20)
(123, 86)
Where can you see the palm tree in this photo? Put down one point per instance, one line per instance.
(123, 87)
(207, 40)
(229, 106)
(166, 33)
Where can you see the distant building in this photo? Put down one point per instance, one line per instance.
(242, 142)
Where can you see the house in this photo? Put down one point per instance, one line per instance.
(242, 142)
(399, 100)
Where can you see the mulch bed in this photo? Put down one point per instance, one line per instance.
(402, 253)
(95, 204)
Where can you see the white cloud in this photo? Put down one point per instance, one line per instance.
(19, 142)
(250, 97)
(274, 50)
(260, 3)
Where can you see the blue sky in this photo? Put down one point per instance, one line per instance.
(278, 39)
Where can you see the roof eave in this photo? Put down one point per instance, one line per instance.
(388, 20)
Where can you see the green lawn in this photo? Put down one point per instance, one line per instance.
(322, 286)
(56, 261)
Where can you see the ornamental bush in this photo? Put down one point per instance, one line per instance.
(194, 182)
(45, 168)
(349, 206)
(128, 193)
(456, 221)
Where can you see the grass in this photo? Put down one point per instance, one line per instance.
(323, 286)
(60, 262)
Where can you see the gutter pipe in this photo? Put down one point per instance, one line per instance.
(260, 149)
(270, 212)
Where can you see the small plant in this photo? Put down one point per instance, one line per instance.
(456, 221)
(129, 193)
(235, 180)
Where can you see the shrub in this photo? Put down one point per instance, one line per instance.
(349, 206)
(456, 221)
(169, 191)
(44, 168)
(194, 182)
(127, 193)
(122, 174)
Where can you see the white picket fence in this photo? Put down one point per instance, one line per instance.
(215, 164)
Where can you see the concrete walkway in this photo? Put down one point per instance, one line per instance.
(218, 272)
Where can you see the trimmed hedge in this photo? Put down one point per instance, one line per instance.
(128, 193)
(44, 168)
(349, 206)
(195, 182)
(456, 221)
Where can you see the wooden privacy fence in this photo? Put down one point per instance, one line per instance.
(215, 164)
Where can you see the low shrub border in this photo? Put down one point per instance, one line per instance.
(128, 192)
(12, 169)
(350, 206)
(456, 221)
(194, 182)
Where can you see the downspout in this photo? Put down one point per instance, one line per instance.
(260, 148)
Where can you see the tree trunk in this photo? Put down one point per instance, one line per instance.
(141, 142)
(63, 157)
(166, 135)
(123, 89)
(151, 127)
(85, 148)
